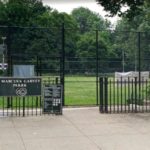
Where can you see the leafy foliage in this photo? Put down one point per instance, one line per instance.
(36, 30)
(115, 6)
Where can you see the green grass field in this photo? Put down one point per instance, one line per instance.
(80, 90)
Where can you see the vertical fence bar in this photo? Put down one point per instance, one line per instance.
(146, 95)
(101, 94)
(40, 105)
(97, 67)
(28, 106)
(8, 50)
(32, 106)
(7, 104)
(121, 94)
(11, 106)
(117, 96)
(36, 105)
(125, 95)
(23, 106)
(132, 99)
(106, 94)
(3, 103)
(129, 95)
(19, 106)
(139, 57)
(135, 94)
(16, 105)
(63, 64)
(56, 80)
(9, 61)
(114, 94)
(110, 94)
(142, 94)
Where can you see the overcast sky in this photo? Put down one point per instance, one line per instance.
(68, 5)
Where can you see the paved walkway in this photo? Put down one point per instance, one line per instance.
(77, 129)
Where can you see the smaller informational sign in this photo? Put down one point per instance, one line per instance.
(20, 86)
(53, 99)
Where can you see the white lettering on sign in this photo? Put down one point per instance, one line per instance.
(32, 81)
(17, 81)
(6, 81)
(21, 81)
(19, 85)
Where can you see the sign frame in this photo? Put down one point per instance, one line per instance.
(20, 87)
(52, 111)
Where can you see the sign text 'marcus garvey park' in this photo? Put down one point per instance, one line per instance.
(20, 86)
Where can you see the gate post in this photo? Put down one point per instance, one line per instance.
(139, 59)
(63, 64)
(135, 94)
(101, 89)
(97, 66)
(106, 94)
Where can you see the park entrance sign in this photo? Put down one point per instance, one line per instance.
(20, 87)
(29, 96)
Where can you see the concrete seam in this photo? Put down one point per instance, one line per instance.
(83, 133)
(19, 134)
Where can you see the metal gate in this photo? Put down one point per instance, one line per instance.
(124, 95)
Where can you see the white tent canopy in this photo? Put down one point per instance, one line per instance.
(131, 75)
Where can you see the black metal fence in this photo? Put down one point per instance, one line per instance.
(21, 106)
(77, 57)
(120, 95)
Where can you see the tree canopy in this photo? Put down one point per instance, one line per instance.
(33, 29)
(114, 7)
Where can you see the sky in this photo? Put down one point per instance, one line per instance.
(68, 5)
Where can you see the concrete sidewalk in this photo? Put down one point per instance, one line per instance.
(77, 129)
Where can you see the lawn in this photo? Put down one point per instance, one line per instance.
(80, 91)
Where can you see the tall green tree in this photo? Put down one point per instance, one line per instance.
(20, 12)
(88, 20)
(114, 7)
